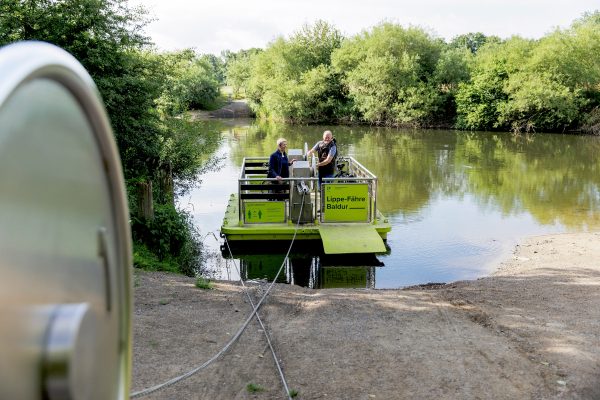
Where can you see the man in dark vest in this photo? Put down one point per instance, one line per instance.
(326, 152)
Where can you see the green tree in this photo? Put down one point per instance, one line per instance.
(217, 66)
(291, 80)
(453, 67)
(570, 62)
(376, 83)
(188, 147)
(479, 101)
(472, 41)
(238, 69)
(525, 85)
(106, 37)
(388, 74)
(190, 82)
(314, 44)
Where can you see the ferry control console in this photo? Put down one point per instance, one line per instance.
(301, 206)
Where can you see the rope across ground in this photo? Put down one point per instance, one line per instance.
(529, 331)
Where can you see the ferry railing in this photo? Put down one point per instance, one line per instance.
(254, 185)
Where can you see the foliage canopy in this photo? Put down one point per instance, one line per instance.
(391, 75)
(106, 36)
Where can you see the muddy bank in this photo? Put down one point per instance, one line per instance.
(531, 330)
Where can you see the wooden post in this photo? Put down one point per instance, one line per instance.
(145, 208)
(165, 184)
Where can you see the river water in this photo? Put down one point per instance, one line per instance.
(458, 202)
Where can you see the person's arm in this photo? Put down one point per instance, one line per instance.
(325, 161)
(313, 150)
(273, 163)
(329, 158)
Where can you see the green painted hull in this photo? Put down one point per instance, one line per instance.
(236, 231)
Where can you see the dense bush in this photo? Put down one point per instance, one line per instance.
(171, 237)
(523, 85)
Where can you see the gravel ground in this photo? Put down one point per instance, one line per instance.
(529, 331)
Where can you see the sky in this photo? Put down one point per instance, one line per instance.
(211, 27)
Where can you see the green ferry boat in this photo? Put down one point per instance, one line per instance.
(342, 213)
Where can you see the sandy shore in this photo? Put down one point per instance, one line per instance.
(529, 331)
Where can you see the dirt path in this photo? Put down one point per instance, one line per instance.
(234, 109)
(530, 331)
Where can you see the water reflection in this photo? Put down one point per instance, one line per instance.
(312, 271)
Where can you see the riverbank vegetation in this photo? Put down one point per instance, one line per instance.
(396, 76)
(387, 75)
(144, 92)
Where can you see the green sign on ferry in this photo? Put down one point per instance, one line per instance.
(346, 202)
(262, 212)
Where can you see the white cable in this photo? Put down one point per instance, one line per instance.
(282, 376)
(179, 378)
